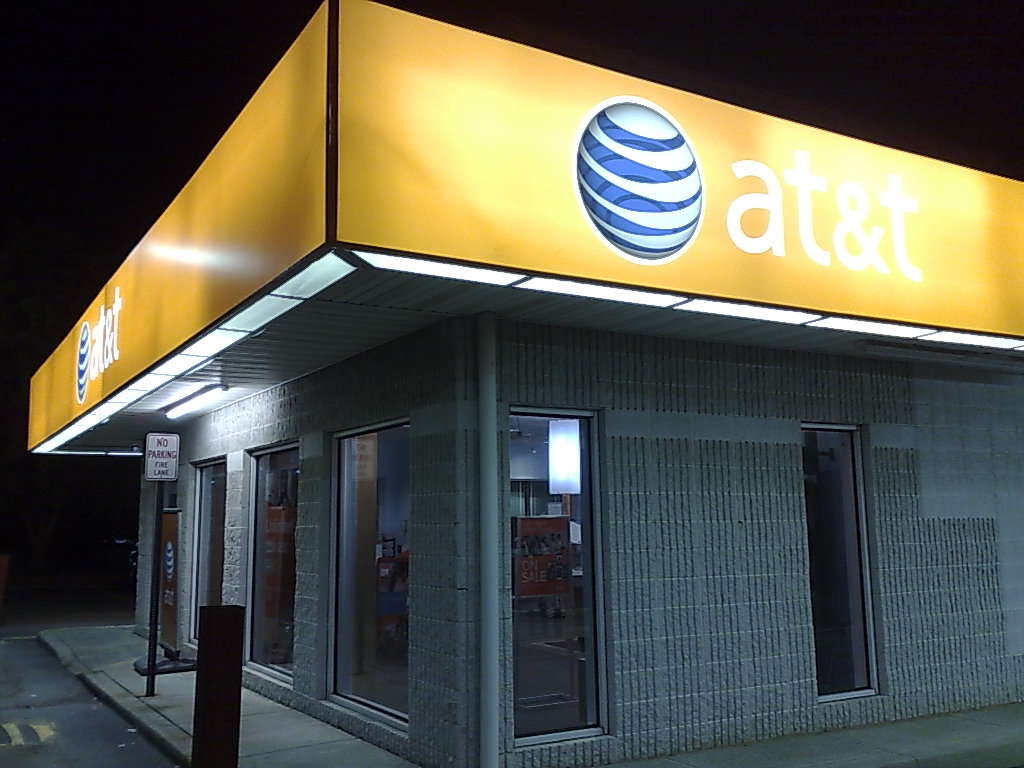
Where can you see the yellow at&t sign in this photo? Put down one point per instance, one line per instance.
(499, 154)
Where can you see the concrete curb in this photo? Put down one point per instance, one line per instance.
(65, 653)
(164, 734)
(168, 737)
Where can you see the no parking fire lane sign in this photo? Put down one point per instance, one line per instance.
(162, 456)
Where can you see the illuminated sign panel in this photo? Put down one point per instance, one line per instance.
(255, 207)
(475, 154)
(481, 151)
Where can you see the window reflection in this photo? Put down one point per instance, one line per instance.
(836, 569)
(372, 636)
(212, 486)
(277, 495)
(552, 575)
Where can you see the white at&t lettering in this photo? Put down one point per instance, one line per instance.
(103, 346)
(855, 246)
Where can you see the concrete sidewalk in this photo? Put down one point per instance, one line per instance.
(274, 736)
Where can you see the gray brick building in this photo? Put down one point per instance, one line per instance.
(706, 632)
(570, 525)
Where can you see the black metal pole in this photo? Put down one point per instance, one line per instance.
(154, 592)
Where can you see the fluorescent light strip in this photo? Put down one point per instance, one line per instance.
(322, 273)
(855, 325)
(68, 433)
(595, 291)
(214, 342)
(203, 398)
(107, 409)
(190, 390)
(90, 419)
(50, 445)
(330, 268)
(749, 311)
(115, 404)
(97, 415)
(127, 396)
(438, 269)
(260, 314)
(974, 339)
(149, 382)
(179, 364)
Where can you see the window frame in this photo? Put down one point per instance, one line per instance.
(340, 546)
(198, 538)
(602, 643)
(275, 672)
(862, 509)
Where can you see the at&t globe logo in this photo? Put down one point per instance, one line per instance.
(82, 371)
(639, 181)
(168, 561)
(98, 345)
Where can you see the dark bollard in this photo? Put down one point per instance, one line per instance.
(218, 704)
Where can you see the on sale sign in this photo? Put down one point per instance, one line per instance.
(162, 456)
(540, 549)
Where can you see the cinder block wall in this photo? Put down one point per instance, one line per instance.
(701, 528)
(421, 378)
(707, 608)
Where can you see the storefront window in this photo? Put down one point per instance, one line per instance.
(211, 492)
(837, 573)
(372, 633)
(553, 616)
(273, 609)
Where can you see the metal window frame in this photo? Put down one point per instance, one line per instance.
(339, 539)
(864, 549)
(254, 455)
(601, 665)
(197, 528)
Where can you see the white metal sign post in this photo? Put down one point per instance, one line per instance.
(161, 467)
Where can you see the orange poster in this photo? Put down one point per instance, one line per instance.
(540, 550)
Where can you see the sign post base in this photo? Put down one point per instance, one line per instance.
(164, 666)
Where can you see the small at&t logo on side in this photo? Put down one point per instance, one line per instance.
(168, 561)
(97, 345)
(639, 181)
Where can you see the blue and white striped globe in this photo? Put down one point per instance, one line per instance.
(639, 182)
(169, 561)
(82, 372)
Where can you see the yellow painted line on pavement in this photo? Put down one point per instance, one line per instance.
(45, 731)
(13, 734)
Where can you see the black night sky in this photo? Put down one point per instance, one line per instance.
(108, 107)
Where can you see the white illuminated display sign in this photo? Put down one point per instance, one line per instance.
(564, 456)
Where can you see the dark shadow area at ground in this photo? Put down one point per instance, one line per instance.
(54, 599)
